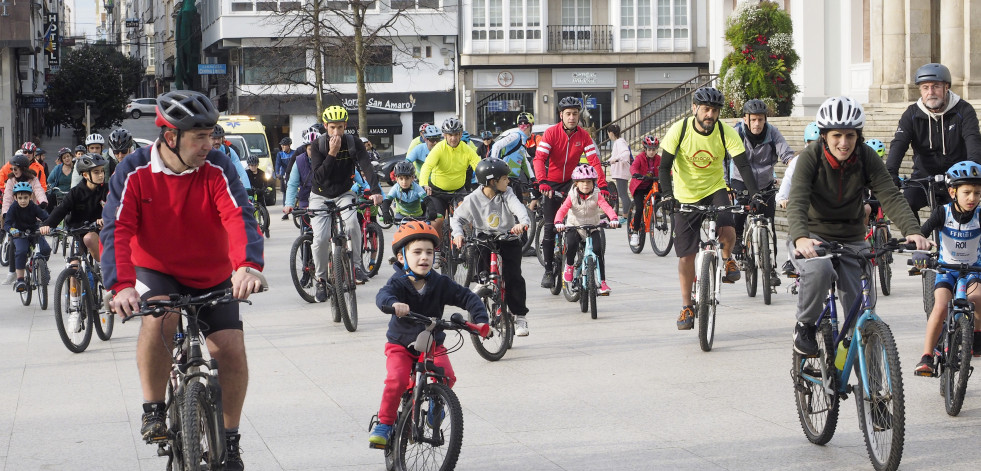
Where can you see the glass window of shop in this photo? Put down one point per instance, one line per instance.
(497, 111)
(597, 110)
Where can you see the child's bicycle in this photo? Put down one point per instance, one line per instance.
(36, 273)
(428, 430)
(658, 223)
(491, 347)
(258, 199)
(372, 238)
(932, 186)
(79, 295)
(821, 381)
(952, 355)
(878, 235)
(586, 278)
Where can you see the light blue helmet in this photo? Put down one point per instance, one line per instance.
(21, 187)
(431, 132)
(812, 132)
(877, 146)
(465, 137)
(959, 173)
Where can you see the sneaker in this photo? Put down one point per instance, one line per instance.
(520, 326)
(774, 277)
(804, 341)
(380, 434)
(547, 280)
(233, 454)
(10, 279)
(925, 366)
(635, 239)
(435, 417)
(360, 275)
(567, 275)
(154, 427)
(74, 322)
(305, 278)
(687, 318)
(732, 272)
(604, 289)
(20, 286)
(321, 291)
(976, 350)
(74, 302)
(789, 269)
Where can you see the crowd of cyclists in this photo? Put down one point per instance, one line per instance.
(450, 187)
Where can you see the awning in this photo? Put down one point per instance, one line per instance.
(379, 124)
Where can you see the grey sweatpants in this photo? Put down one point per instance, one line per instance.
(816, 276)
(321, 231)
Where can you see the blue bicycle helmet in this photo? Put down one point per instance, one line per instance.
(812, 132)
(22, 187)
(964, 172)
(465, 137)
(431, 132)
(877, 146)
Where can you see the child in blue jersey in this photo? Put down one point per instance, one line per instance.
(407, 195)
(417, 155)
(359, 186)
(960, 242)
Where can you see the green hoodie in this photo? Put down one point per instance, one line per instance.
(829, 202)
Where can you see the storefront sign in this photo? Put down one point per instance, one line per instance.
(51, 40)
(591, 103)
(398, 102)
(35, 101)
(515, 79)
(583, 79)
(212, 69)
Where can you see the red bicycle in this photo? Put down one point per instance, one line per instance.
(372, 238)
(878, 235)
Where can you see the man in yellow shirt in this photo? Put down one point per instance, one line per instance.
(445, 170)
(692, 171)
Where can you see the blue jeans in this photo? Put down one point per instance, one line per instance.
(21, 246)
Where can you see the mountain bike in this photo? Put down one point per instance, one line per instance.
(709, 271)
(931, 185)
(372, 238)
(195, 436)
(491, 347)
(864, 344)
(79, 295)
(447, 256)
(878, 235)
(586, 278)
(952, 355)
(6, 247)
(301, 259)
(760, 251)
(428, 431)
(535, 216)
(36, 274)
(258, 199)
(540, 229)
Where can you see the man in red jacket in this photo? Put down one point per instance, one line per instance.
(178, 220)
(557, 155)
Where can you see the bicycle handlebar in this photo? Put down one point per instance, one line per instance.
(588, 227)
(456, 322)
(710, 209)
(935, 264)
(158, 307)
(837, 249)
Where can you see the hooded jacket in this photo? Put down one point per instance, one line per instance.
(82, 204)
(939, 140)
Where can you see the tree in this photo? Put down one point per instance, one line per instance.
(762, 60)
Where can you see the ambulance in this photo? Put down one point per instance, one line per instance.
(254, 133)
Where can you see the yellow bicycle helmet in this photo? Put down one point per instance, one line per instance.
(335, 114)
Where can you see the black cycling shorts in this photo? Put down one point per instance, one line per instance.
(688, 226)
(152, 283)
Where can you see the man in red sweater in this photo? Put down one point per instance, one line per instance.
(178, 220)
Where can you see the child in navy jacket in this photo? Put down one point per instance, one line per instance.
(22, 217)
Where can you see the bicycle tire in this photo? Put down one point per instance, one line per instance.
(705, 309)
(103, 319)
(766, 265)
(582, 293)
(882, 262)
(816, 409)
(262, 214)
(749, 264)
(28, 293)
(343, 287)
(557, 282)
(927, 280)
(5, 252)
(661, 231)
(591, 286)
(539, 233)
(302, 268)
(449, 261)
(501, 324)
(202, 430)
(465, 266)
(882, 416)
(373, 251)
(174, 403)
(631, 231)
(75, 342)
(435, 451)
(957, 369)
(42, 280)
(529, 233)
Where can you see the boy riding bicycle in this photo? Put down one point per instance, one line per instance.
(960, 242)
(83, 204)
(417, 288)
(22, 217)
(408, 197)
(584, 206)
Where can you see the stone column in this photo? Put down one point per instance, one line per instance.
(917, 44)
(972, 49)
(952, 42)
(888, 19)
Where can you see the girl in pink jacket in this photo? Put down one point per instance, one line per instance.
(584, 206)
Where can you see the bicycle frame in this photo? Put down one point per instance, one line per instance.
(714, 246)
(859, 313)
(586, 253)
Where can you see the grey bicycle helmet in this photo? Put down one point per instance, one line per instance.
(452, 126)
(218, 131)
(89, 161)
(570, 102)
(491, 168)
(120, 140)
(840, 112)
(404, 168)
(252, 160)
(933, 72)
(708, 96)
(754, 106)
(186, 109)
(80, 148)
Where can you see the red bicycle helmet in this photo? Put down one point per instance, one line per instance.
(651, 142)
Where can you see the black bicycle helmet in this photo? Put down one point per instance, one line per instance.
(186, 109)
(286, 141)
(452, 126)
(20, 160)
(754, 106)
(933, 72)
(120, 140)
(491, 168)
(89, 161)
(404, 168)
(80, 148)
(39, 152)
(708, 96)
(218, 131)
(252, 160)
(570, 102)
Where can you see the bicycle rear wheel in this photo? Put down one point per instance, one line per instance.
(881, 415)
(344, 289)
(262, 215)
(957, 369)
(501, 324)
(529, 235)
(438, 431)
(302, 269)
(816, 408)
(766, 265)
(539, 231)
(661, 230)
(591, 286)
(749, 264)
(373, 252)
(631, 231)
(202, 429)
(71, 311)
(883, 261)
(705, 308)
(41, 280)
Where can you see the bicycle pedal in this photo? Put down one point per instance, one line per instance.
(377, 446)
(925, 374)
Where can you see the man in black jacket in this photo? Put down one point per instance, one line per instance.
(333, 158)
(942, 128)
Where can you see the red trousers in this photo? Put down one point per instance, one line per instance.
(399, 365)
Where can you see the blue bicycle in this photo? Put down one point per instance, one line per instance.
(820, 382)
(586, 278)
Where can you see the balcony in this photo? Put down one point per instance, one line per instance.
(580, 38)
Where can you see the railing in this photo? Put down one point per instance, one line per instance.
(655, 116)
(581, 38)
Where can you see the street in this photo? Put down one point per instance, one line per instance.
(624, 391)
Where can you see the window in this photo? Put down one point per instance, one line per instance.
(269, 5)
(672, 24)
(635, 22)
(575, 12)
(488, 19)
(414, 4)
(263, 66)
(525, 18)
(378, 69)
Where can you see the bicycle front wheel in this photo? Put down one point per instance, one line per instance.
(957, 367)
(202, 430)
(539, 231)
(661, 230)
(343, 282)
(262, 215)
(766, 265)
(501, 324)
(705, 308)
(881, 413)
(591, 286)
(433, 439)
(28, 293)
(374, 248)
(71, 311)
(41, 280)
(883, 261)
(816, 408)
(302, 268)
(749, 265)
(928, 279)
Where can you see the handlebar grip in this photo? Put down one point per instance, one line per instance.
(482, 330)
(821, 251)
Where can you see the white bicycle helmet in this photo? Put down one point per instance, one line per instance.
(95, 139)
(840, 113)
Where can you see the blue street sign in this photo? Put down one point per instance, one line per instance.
(212, 69)
(591, 103)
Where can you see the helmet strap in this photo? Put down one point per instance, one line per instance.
(409, 272)
(175, 149)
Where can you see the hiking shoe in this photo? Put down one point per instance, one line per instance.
(789, 270)
(567, 275)
(604, 289)
(436, 414)
(233, 454)
(925, 366)
(732, 272)
(380, 434)
(154, 422)
(360, 275)
(520, 326)
(687, 318)
(547, 280)
(20, 286)
(635, 239)
(804, 341)
(321, 291)
(9, 280)
(976, 351)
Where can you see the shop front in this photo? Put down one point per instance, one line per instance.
(392, 117)
(593, 87)
(500, 95)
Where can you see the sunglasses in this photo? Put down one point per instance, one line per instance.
(434, 139)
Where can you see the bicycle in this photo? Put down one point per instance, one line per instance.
(535, 216)
(706, 288)
(657, 222)
(952, 355)
(448, 257)
(931, 185)
(879, 235)
(586, 278)
(79, 295)
(760, 251)
(36, 274)
(195, 436)
(258, 199)
(821, 381)
(540, 228)
(301, 259)
(491, 347)
(428, 431)
(372, 238)
(340, 268)
(5, 249)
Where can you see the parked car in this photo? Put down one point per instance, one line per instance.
(141, 106)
